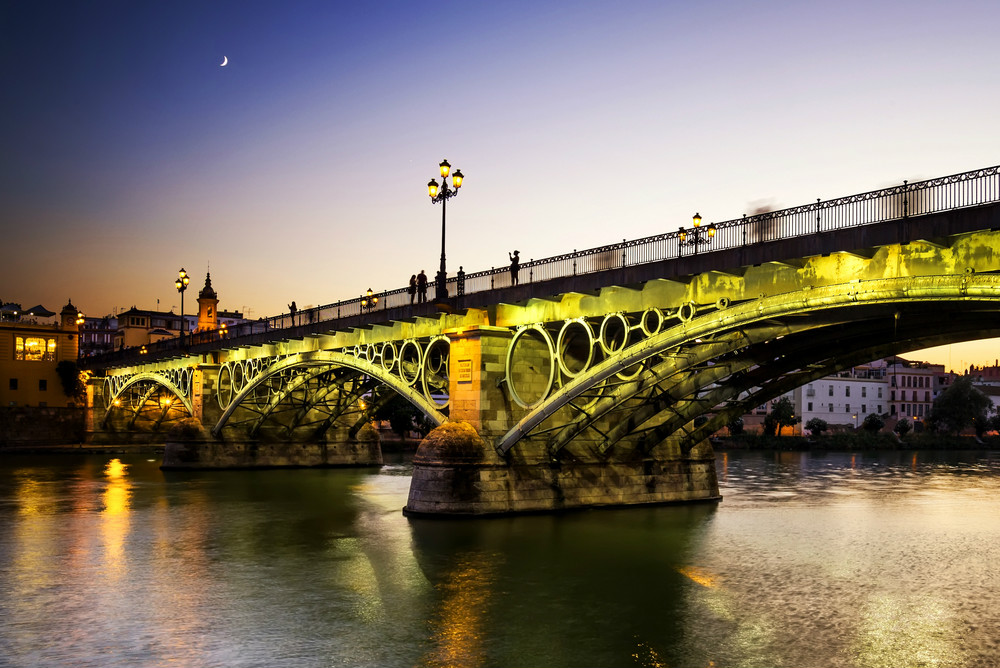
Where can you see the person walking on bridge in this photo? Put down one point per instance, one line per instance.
(421, 287)
(515, 264)
(412, 288)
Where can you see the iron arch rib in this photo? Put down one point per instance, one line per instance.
(331, 359)
(856, 301)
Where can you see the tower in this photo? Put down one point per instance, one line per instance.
(208, 305)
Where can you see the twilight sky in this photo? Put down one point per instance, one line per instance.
(299, 171)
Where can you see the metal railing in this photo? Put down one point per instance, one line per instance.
(958, 191)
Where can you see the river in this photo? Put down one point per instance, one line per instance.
(838, 559)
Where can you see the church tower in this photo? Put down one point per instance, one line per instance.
(208, 305)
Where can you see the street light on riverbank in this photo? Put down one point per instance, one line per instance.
(442, 194)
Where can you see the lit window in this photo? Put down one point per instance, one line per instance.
(34, 348)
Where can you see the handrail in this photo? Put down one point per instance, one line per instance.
(958, 191)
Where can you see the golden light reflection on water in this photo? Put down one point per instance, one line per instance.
(699, 575)
(458, 628)
(115, 516)
(906, 630)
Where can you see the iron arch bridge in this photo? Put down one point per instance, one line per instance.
(309, 391)
(647, 376)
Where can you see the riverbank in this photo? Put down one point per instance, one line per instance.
(78, 448)
(860, 441)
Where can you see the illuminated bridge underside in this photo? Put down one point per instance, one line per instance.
(591, 397)
(314, 390)
(730, 360)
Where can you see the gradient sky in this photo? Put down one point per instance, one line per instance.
(299, 171)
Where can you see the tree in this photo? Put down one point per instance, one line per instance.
(903, 427)
(958, 407)
(71, 379)
(403, 416)
(735, 426)
(817, 426)
(993, 424)
(872, 423)
(782, 415)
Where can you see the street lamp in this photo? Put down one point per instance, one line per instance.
(182, 284)
(443, 194)
(369, 301)
(697, 238)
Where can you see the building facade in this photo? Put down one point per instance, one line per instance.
(29, 355)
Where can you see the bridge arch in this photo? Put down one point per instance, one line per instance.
(739, 338)
(117, 386)
(295, 369)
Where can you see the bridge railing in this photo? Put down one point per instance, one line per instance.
(958, 191)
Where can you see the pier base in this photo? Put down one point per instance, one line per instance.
(456, 474)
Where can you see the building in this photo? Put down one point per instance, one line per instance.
(913, 386)
(97, 335)
(844, 399)
(29, 355)
(137, 327)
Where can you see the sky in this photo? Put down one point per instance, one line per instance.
(298, 171)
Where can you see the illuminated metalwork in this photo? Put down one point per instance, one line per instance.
(369, 301)
(696, 235)
(442, 194)
(182, 285)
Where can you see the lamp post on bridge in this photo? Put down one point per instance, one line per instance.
(442, 194)
(182, 284)
(697, 238)
(369, 301)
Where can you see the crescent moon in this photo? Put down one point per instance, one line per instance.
(225, 61)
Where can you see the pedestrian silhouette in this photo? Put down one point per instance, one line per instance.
(461, 281)
(292, 309)
(412, 289)
(421, 287)
(515, 264)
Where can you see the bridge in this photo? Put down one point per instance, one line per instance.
(598, 379)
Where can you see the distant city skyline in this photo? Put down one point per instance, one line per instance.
(298, 170)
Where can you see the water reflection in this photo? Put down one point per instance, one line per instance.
(811, 560)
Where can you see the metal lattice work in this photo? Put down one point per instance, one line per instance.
(721, 362)
(133, 392)
(313, 391)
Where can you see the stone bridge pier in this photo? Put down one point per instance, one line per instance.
(497, 377)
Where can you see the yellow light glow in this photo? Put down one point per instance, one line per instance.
(432, 188)
(699, 575)
(457, 178)
(696, 220)
(711, 231)
(445, 168)
(682, 234)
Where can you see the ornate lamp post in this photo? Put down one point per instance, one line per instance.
(443, 194)
(697, 238)
(182, 284)
(369, 301)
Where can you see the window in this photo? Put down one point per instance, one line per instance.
(880, 393)
(880, 409)
(810, 404)
(13, 383)
(831, 390)
(831, 407)
(927, 396)
(43, 385)
(902, 395)
(864, 391)
(34, 348)
(864, 408)
(847, 391)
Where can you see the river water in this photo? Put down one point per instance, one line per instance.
(810, 560)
